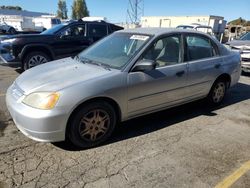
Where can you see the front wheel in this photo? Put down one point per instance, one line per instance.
(92, 125)
(218, 92)
(35, 58)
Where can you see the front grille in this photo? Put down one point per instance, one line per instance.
(17, 92)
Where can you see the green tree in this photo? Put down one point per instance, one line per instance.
(74, 14)
(79, 9)
(239, 21)
(247, 23)
(62, 11)
(11, 7)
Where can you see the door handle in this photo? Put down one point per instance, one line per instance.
(217, 66)
(179, 74)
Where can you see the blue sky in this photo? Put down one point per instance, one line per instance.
(115, 10)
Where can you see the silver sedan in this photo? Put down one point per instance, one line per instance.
(127, 74)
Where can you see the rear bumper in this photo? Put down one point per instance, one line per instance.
(245, 65)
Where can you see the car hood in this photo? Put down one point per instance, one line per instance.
(30, 36)
(56, 75)
(240, 44)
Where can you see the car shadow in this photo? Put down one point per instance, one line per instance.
(156, 121)
(17, 67)
(3, 122)
(19, 70)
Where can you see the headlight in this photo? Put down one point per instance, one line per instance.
(8, 40)
(42, 100)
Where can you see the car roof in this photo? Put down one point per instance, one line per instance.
(157, 31)
(84, 21)
(194, 25)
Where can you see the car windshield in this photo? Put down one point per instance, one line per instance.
(53, 30)
(114, 51)
(246, 36)
(185, 27)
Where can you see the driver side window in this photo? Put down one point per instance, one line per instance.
(166, 51)
(74, 31)
(66, 32)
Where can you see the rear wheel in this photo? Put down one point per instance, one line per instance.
(92, 125)
(218, 92)
(35, 58)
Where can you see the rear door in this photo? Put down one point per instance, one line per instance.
(96, 31)
(204, 64)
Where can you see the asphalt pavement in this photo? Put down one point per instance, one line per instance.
(189, 146)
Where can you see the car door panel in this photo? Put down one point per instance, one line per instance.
(71, 44)
(164, 86)
(203, 64)
(158, 88)
(201, 75)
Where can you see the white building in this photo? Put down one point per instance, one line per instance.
(26, 20)
(216, 22)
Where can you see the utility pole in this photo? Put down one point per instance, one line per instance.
(135, 11)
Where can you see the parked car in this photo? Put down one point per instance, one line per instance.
(125, 75)
(61, 41)
(6, 29)
(242, 45)
(197, 27)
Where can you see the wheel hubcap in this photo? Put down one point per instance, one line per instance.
(37, 60)
(219, 92)
(94, 125)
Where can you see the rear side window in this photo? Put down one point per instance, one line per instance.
(199, 48)
(97, 30)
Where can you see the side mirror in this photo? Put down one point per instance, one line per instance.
(61, 37)
(65, 37)
(144, 65)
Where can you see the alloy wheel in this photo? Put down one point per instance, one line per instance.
(36, 60)
(94, 125)
(219, 92)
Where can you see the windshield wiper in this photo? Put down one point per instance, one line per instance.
(107, 67)
(86, 60)
(81, 59)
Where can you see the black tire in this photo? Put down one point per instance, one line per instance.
(12, 31)
(218, 92)
(82, 123)
(43, 57)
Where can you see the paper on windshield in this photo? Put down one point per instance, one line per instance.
(139, 37)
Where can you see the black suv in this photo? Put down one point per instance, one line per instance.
(61, 41)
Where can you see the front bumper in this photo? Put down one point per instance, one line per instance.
(7, 57)
(39, 125)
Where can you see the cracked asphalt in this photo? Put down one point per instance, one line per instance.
(188, 146)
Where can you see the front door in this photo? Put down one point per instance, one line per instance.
(164, 86)
(71, 41)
